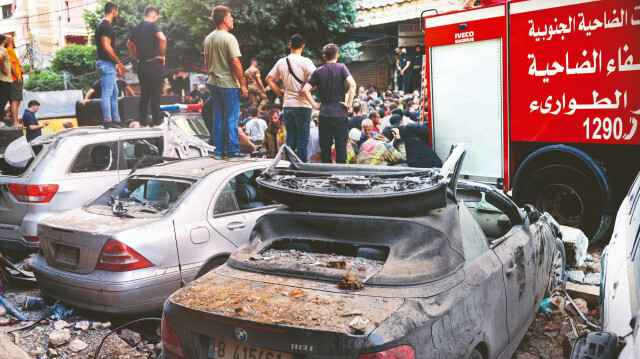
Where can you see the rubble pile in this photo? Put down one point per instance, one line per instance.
(66, 334)
(358, 264)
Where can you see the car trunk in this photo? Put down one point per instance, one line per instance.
(73, 240)
(314, 323)
(13, 211)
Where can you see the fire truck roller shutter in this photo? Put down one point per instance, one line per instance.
(570, 185)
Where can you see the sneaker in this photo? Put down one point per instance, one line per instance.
(117, 124)
(107, 125)
(238, 156)
(217, 157)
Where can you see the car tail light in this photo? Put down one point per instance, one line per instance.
(170, 340)
(40, 193)
(31, 239)
(118, 257)
(401, 352)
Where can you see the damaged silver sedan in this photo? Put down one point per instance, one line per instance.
(130, 248)
(462, 276)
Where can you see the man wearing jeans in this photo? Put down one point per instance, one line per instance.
(226, 82)
(297, 110)
(147, 45)
(329, 80)
(108, 65)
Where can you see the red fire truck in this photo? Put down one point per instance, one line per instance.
(546, 96)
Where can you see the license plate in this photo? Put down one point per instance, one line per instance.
(67, 256)
(223, 349)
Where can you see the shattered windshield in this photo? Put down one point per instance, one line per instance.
(140, 197)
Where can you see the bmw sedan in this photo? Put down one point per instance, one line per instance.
(460, 277)
(128, 250)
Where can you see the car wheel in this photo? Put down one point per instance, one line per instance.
(571, 196)
(556, 273)
(475, 354)
(214, 263)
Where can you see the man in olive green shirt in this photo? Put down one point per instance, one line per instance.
(226, 84)
(5, 73)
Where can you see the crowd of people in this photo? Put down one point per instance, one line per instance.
(364, 127)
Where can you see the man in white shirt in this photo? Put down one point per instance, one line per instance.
(255, 129)
(294, 70)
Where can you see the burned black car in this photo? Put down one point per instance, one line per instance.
(458, 275)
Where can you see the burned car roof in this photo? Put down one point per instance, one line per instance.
(414, 250)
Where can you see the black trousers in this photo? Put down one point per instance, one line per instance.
(5, 90)
(151, 76)
(333, 128)
(406, 82)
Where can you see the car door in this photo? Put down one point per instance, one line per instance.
(518, 269)
(232, 218)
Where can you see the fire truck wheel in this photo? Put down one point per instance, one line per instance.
(572, 197)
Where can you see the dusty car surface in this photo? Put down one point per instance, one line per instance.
(619, 289)
(460, 278)
(130, 248)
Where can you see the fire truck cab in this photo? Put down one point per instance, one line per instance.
(546, 96)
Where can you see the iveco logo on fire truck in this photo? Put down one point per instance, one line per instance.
(464, 37)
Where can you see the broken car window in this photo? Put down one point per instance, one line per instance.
(8, 170)
(136, 197)
(96, 157)
(136, 149)
(473, 239)
(226, 201)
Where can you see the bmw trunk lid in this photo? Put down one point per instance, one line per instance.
(256, 316)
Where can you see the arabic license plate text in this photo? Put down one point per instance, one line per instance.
(223, 349)
(67, 256)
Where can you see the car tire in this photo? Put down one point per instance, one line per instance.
(557, 279)
(475, 354)
(571, 196)
(210, 265)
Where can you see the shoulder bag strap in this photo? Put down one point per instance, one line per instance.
(293, 74)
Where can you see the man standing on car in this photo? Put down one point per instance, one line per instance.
(148, 45)
(5, 73)
(226, 84)
(294, 70)
(329, 80)
(15, 95)
(108, 65)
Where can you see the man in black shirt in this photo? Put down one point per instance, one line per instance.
(358, 117)
(108, 65)
(404, 63)
(147, 44)
(416, 141)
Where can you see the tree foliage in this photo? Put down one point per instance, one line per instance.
(77, 61)
(263, 27)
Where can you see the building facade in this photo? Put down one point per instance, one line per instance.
(381, 26)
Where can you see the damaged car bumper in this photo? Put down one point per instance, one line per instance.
(144, 292)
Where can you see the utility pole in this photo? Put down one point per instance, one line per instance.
(61, 43)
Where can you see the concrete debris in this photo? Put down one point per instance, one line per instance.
(59, 337)
(132, 338)
(358, 324)
(61, 324)
(350, 281)
(3, 310)
(106, 325)
(592, 279)
(589, 293)
(352, 312)
(26, 263)
(96, 325)
(594, 267)
(526, 356)
(77, 345)
(575, 246)
(52, 353)
(82, 325)
(575, 276)
(558, 303)
(582, 305)
(9, 350)
(292, 256)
